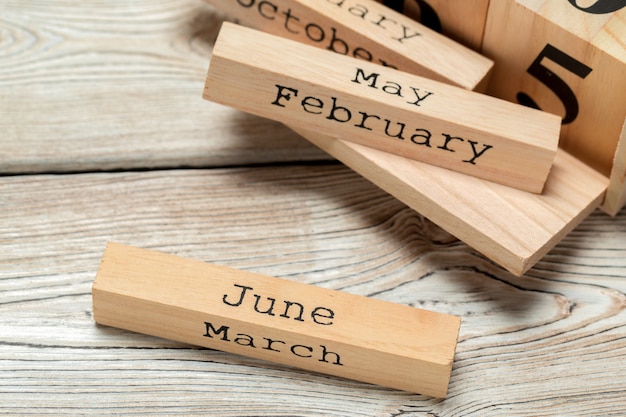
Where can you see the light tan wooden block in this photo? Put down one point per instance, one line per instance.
(462, 21)
(512, 227)
(382, 108)
(616, 193)
(366, 30)
(277, 320)
(569, 58)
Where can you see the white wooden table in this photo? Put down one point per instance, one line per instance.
(105, 137)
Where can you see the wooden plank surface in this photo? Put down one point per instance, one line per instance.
(95, 86)
(92, 86)
(549, 343)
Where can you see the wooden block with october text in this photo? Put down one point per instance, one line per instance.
(511, 227)
(291, 323)
(383, 108)
(366, 30)
(462, 21)
(567, 57)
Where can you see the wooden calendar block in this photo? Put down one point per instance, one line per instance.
(568, 58)
(512, 227)
(277, 320)
(366, 30)
(382, 108)
(462, 21)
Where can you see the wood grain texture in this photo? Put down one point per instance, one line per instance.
(95, 86)
(549, 343)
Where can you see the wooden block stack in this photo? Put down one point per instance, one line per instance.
(556, 56)
(566, 57)
(569, 60)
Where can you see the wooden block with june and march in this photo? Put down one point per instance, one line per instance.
(282, 321)
(567, 57)
(383, 108)
(366, 30)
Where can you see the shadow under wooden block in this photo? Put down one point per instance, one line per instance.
(569, 60)
(462, 21)
(511, 227)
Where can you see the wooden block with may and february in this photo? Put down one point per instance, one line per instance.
(382, 108)
(309, 327)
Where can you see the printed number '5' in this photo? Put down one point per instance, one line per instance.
(601, 6)
(553, 82)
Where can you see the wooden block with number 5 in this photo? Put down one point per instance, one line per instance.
(567, 57)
